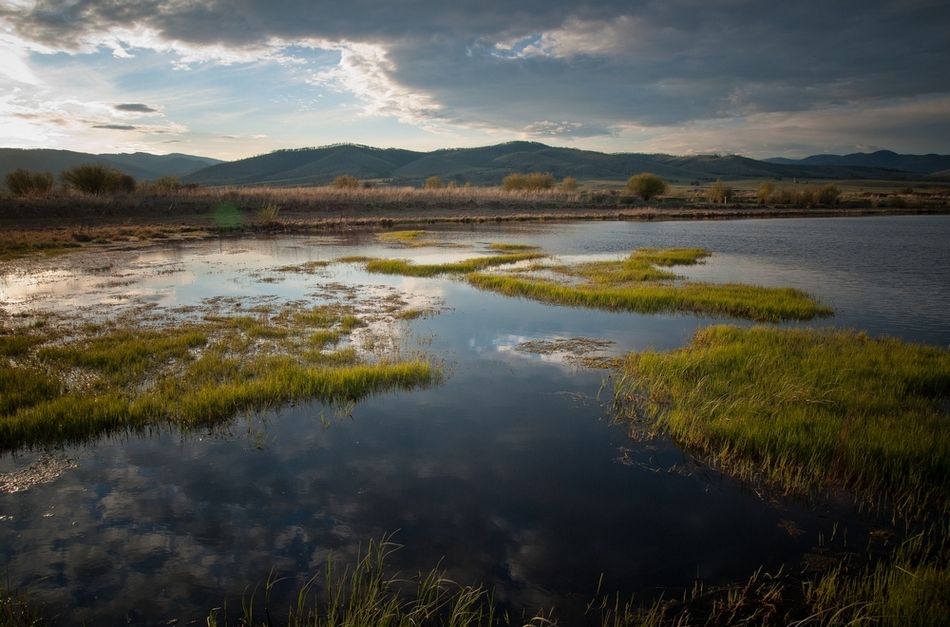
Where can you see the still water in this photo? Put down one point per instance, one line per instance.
(509, 474)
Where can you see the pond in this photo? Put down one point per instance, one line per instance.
(510, 473)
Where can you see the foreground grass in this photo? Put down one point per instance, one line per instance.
(636, 284)
(815, 412)
(911, 588)
(60, 386)
(806, 409)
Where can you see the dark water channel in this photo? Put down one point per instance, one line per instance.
(510, 473)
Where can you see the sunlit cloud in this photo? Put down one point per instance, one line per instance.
(614, 75)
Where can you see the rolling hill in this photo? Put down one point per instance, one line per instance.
(922, 164)
(140, 165)
(488, 165)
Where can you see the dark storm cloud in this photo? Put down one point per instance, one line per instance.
(563, 68)
(115, 127)
(135, 108)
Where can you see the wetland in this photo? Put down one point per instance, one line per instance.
(519, 404)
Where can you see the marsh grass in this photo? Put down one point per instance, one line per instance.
(808, 410)
(635, 289)
(370, 594)
(60, 387)
(406, 238)
(407, 268)
(511, 248)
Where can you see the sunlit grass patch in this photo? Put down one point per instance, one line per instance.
(807, 409)
(415, 239)
(407, 268)
(735, 300)
(407, 238)
(511, 248)
(121, 375)
(309, 267)
(637, 284)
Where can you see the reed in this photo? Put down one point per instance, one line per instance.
(809, 410)
(367, 595)
(407, 268)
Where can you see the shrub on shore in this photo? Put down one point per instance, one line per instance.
(646, 185)
(719, 193)
(96, 178)
(346, 181)
(23, 182)
(528, 182)
(434, 182)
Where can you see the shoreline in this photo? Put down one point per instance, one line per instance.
(245, 212)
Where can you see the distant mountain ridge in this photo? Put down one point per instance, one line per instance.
(486, 165)
(490, 164)
(141, 165)
(887, 159)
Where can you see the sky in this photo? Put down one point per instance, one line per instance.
(235, 78)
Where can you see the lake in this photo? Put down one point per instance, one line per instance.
(511, 473)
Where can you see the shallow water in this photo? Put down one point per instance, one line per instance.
(511, 472)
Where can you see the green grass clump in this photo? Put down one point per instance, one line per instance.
(118, 377)
(406, 268)
(637, 284)
(407, 238)
(511, 248)
(734, 300)
(807, 409)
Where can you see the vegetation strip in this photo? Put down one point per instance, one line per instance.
(406, 268)
(636, 284)
(807, 409)
(55, 390)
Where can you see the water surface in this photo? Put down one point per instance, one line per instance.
(511, 472)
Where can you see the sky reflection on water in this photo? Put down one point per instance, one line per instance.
(510, 472)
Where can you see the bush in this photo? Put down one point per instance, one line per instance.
(528, 182)
(96, 178)
(167, 184)
(569, 184)
(434, 182)
(719, 193)
(22, 182)
(647, 185)
(766, 189)
(346, 181)
(828, 194)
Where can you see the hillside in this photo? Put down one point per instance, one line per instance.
(921, 164)
(488, 165)
(140, 165)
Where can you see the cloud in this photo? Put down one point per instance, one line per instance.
(136, 108)
(542, 69)
(116, 127)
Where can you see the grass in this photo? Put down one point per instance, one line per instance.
(808, 410)
(637, 284)
(368, 596)
(503, 247)
(407, 268)
(73, 385)
(406, 238)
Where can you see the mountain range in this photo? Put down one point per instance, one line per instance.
(481, 166)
